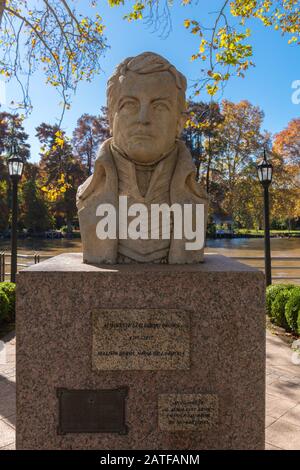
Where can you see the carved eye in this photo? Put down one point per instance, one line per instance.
(130, 105)
(160, 106)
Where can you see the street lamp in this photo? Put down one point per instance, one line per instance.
(15, 168)
(265, 172)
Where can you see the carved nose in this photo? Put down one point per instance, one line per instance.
(144, 115)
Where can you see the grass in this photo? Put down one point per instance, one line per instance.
(245, 231)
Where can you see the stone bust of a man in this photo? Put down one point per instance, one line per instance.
(143, 160)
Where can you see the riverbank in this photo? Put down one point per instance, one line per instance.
(243, 246)
(245, 233)
(219, 234)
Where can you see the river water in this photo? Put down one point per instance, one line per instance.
(280, 247)
(228, 247)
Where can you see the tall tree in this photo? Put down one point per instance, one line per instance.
(4, 208)
(286, 149)
(203, 119)
(34, 211)
(287, 142)
(247, 208)
(11, 126)
(240, 142)
(89, 133)
(62, 172)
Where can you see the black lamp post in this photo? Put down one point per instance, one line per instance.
(15, 168)
(265, 172)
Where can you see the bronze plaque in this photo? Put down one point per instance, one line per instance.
(141, 339)
(92, 411)
(187, 411)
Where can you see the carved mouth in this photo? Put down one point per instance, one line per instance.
(143, 136)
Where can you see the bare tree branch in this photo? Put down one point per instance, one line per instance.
(2, 8)
(67, 49)
(71, 14)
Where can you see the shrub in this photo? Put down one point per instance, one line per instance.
(278, 308)
(292, 309)
(271, 294)
(9, 288)
(4, 306)
(7, 301)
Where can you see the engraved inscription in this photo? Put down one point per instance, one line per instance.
(187, 412)
(141, 339)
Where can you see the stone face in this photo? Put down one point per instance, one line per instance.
(141, 339)
(145, 161)
(225, 300)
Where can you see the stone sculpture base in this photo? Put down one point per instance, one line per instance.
(165, 356)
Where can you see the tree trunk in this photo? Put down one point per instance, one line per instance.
(208, 165)
(69, 226)
(198, 158)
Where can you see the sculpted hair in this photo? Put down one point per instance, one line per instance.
(148, 62)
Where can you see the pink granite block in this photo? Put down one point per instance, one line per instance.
(225, 303)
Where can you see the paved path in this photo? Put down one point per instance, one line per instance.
(283, 397)
(8, 394)
(282, 404)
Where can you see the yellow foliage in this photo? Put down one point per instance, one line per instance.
(55, 190)
(212, 89)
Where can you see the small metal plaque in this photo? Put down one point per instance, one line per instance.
(187, 412)
(92, 411)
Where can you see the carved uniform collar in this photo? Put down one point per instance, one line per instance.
(162, 157)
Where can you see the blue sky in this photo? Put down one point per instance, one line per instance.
(268, 85)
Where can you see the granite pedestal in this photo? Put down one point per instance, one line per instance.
(167, 356)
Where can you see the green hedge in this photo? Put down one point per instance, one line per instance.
(278, 308)
(272, 292)
(283, 306)
(7, 301)
(4, 306)
(292, 310)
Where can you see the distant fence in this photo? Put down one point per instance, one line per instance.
(24, 261)
(294, 259)
(2, 267)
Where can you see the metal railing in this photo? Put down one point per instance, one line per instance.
(274, 259)
(29, 260)
(25, 262)
(2, 266)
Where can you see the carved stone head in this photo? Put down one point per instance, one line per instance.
(144, 167)
(146, 106)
